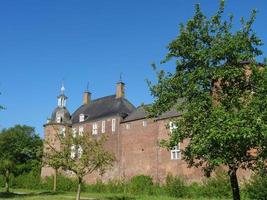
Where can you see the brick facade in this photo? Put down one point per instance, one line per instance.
(134, 142)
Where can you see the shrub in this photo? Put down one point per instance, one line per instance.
(27, 181)
(216, 186)
(140, 185)
(256, 187)
(63, 183)
(175, 186)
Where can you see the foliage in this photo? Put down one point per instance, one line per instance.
(256, 187)
(81, 154)
(216, 186)
(140, 185)
(222, 98)
(20, 151)
(175, 186)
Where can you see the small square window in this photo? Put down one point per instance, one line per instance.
(144, 123)
(81, 118)
(128, 126)
(58, 119)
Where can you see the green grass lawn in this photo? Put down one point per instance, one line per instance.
(44, 195)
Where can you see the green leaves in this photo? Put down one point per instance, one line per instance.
(224, 91)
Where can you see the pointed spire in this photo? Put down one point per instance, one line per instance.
(120, 77)
(62, 88)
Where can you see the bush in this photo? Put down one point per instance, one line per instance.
(256, 187)
(140, 185)
(216, 186)
(63, 183)
(27, 181)
(175, 186)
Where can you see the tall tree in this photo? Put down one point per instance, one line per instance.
(20, 151)
(81, 154)
(224, 92)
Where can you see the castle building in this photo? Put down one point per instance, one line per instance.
(132, 137)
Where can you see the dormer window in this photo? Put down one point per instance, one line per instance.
(59, 119)
(81, 118)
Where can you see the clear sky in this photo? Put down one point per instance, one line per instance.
(45, 41)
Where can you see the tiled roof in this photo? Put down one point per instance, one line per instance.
(104, 107)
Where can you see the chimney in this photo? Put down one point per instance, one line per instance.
(86, 97)
(120, 90)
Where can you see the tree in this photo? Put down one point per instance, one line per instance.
(20, 151)
(220, 90)
(81, 154)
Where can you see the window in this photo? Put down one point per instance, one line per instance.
(94, 129)
(63, 132)
(103, 127)
(74, 132)
(172, 126)
(175, 152)
(144, 123)
(113, 127)
(128, 126)
(58, 119)
(81, 118)
(79, 151)
(81, 130)
(72, 151)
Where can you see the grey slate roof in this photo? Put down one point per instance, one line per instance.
(104, 107)
(140, 113)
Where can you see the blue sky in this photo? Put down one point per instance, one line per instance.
(43, 42)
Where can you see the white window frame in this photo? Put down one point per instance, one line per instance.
(176, 152)
(63, 131)
(113, 125)
(81, 130)
(144, 123)
(74, 132)
(81, 118)
(94, 128)
(58, 119)
(79, 151)
(73, 151)
(128, 126)
(172, 126)
(103, 128)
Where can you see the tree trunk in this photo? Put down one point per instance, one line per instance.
(55, 181)
(7, 180)
(234, 183)
(79, 188)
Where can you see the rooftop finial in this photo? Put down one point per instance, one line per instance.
(87, 87)
(62, 87)
(120, 77)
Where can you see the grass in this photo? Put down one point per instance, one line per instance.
(44, 195)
